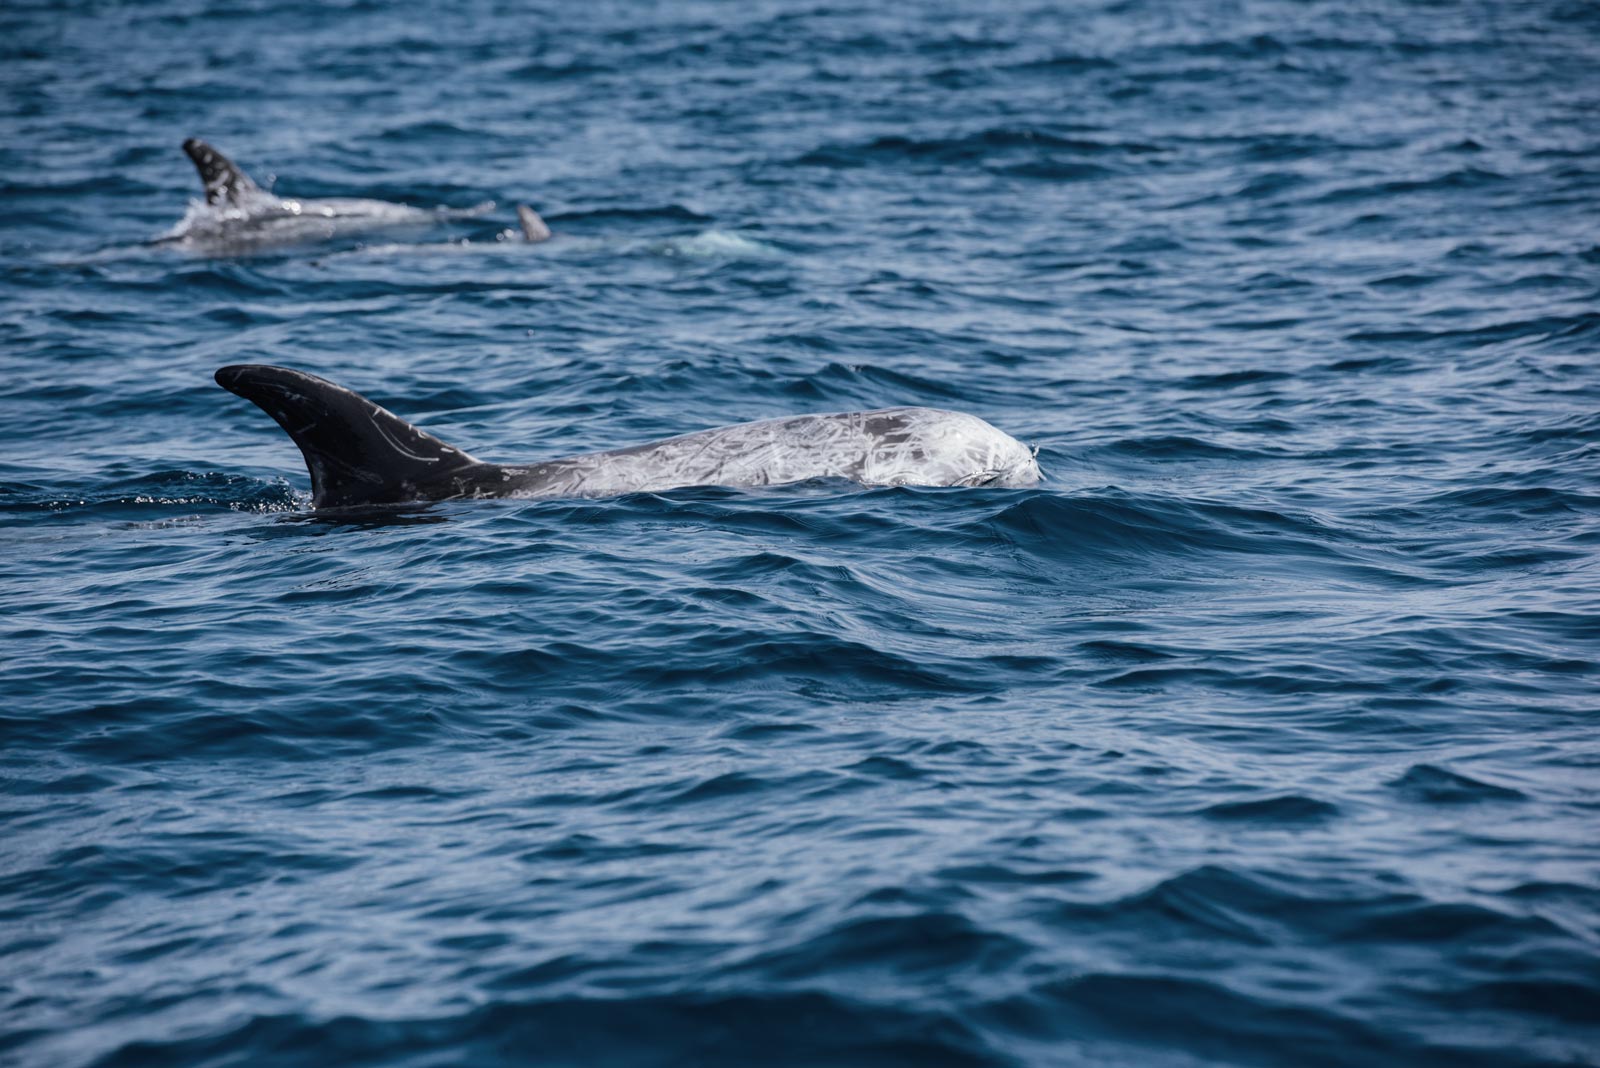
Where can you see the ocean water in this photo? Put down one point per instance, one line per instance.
(1263, 732)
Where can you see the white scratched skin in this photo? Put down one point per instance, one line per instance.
(262, 217)
(888, 447)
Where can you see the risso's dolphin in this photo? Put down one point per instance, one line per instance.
(360, 454)
(238, 212)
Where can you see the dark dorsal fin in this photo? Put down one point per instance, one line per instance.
(357, 453)
(224, 182)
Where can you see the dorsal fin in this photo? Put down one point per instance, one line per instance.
(533, 227)
(356, 452)
(224, 182)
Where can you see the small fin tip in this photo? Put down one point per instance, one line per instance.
(534, 228)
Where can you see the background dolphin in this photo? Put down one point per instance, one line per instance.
(361, 454)
(238, 212)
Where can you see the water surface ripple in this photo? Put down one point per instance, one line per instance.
(1261, 733)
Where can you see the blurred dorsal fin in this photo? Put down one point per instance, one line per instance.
(224, 182)
(533, 227)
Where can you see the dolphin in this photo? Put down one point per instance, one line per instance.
(359, 454)
(238, 212)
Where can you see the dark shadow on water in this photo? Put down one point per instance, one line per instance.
(336, 520)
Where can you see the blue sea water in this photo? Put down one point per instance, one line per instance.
(1262, 733)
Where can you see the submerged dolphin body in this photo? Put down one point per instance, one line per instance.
(239, 213)
(360, 454)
